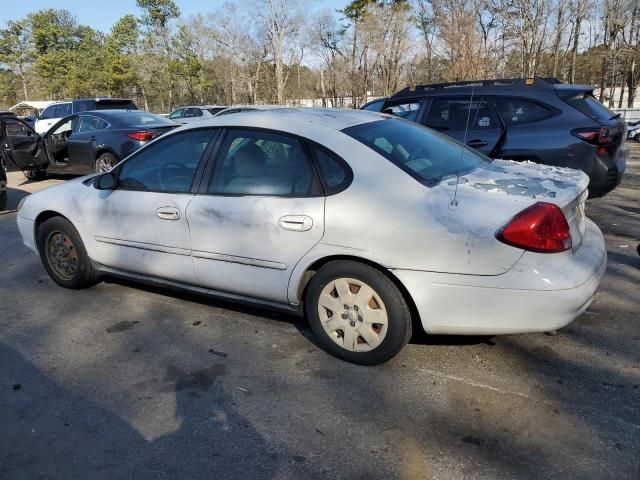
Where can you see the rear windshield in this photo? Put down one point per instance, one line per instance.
(215, 110)
(587, 104)
(119, 104)
(428, 156)
(141, 118)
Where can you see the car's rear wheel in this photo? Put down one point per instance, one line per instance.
(357, 313)
(105, 162)
(63, 254)
(34, 174)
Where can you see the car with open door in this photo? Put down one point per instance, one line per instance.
(533, 119)
(368, 224)
(82, 143)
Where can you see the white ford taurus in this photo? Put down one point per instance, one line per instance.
(367, 224)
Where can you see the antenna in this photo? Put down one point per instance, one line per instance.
(454, 201)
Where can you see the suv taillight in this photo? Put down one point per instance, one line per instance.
(595, 136)
(542, 228)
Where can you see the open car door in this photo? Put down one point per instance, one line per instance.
(22, 147)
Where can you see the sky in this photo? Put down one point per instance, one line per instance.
(102, 14)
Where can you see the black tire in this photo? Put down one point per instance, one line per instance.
(3, 200)
(398, 329)
(103, 161)
(637, 137)
(35, 174)
(68, 244)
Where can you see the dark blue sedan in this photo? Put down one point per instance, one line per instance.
(83, 143)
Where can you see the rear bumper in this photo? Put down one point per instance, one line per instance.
(502, 304)
(606, 174)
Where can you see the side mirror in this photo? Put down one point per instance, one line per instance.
(106, 181)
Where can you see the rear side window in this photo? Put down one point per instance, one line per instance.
(192, 112)
(587, 104)
(85, 105)
(408, 111)
(334, 173)
(87, 123)
(262, 163)
(456, 113)
(427, 156)
(515, 111)
(62, 110)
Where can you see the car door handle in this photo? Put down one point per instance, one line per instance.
(477, 143)
(168, 213)
(296, 223)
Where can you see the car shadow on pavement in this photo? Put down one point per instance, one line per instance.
(14, 196)
(51, 430)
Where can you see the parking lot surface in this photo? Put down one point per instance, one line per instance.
(125, 381)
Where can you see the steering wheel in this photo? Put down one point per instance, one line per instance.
(172, 174)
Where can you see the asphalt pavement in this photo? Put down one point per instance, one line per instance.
(123, 381)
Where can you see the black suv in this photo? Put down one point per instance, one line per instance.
(535, 119)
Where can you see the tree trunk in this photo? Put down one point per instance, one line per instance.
(574, 50)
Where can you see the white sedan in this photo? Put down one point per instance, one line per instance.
(367, 224)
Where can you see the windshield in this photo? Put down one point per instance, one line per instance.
(428, 156)
(141, 118)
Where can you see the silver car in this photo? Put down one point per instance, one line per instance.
(194, 113)
(369, 225)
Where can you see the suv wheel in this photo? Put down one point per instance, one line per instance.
(357, 313)
(63, 254)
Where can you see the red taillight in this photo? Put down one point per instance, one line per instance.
(596, 136)
(142, 136)
(540, 228)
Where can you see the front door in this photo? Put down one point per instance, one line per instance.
(22, 147)
(473, 121)
(141, 226)
(260, 213)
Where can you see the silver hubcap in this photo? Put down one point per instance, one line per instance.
(104, 164)
(353, 314)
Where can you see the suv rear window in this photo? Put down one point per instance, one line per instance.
(427, 156)
(587, 104)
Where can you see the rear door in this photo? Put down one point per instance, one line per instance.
(473, 121)
(257, 216)
(22, 147)
(82, 142)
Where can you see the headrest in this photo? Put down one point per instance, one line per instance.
(250, 161)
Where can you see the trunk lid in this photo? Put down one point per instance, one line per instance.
(517, 185)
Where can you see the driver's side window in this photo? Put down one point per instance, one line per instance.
(168, 165)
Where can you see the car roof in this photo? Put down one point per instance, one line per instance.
(505, 85)
(292, 119)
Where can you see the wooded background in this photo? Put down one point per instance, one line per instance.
(280, 51)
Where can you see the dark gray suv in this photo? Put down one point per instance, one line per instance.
(537, 119)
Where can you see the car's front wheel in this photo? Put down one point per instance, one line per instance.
(357, 313)
(105, 162)
(63, 254)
